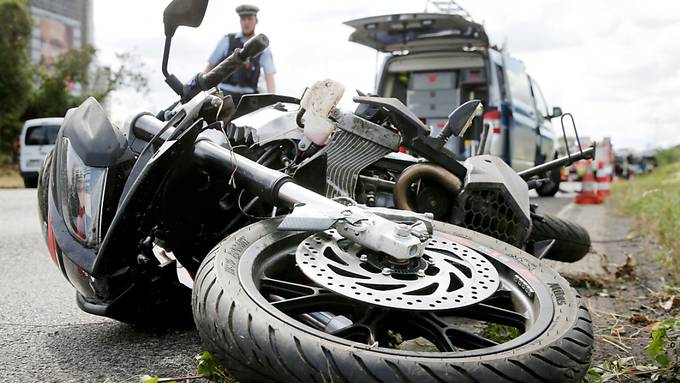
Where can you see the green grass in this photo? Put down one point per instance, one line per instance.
(10, 177)
(654, 201)
(668, 156)
(500, 333)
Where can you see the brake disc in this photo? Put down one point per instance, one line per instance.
(448, 276)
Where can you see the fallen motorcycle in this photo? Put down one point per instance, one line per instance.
(296, 276)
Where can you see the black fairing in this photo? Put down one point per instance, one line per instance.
(95, 139)
(99, 144)
(137, 212)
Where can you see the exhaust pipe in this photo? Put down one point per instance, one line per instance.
(433, 172)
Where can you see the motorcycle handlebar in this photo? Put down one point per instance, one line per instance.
(250, 50)
(146, 126)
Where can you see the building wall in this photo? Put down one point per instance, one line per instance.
(59, 25)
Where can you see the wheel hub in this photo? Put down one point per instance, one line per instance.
(449, 275)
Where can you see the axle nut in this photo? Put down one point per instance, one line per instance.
(402, 230)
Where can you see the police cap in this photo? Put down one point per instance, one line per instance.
(247, 10)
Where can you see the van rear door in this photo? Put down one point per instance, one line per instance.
(417, 32)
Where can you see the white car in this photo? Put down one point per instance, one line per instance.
(37, 139)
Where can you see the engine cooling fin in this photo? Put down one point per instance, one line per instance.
(349, 154)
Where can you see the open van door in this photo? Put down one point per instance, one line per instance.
(418, 32)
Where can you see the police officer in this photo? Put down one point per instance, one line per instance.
(244, 81)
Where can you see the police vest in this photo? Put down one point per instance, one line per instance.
(248, 75)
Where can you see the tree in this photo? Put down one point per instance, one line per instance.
(49, 89)
(54, 94)
(15, 74)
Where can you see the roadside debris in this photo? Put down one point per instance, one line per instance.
(627, 269)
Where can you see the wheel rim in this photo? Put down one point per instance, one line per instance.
(270, 276)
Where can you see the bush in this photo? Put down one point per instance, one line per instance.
(15, 73)
(668, 156)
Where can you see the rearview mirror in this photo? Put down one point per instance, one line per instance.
(461, 119)
(183, 12)
(557, 111)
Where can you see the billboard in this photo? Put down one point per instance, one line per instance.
(53, 34)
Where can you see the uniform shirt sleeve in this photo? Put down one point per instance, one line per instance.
(267, 62)
(220, 50)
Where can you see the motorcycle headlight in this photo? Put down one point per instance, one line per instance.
(81, 195)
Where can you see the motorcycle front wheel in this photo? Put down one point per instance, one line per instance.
(263, 318)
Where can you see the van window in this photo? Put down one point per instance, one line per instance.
(541, 105)
(520, 89)
(501, 81)
(41, 135)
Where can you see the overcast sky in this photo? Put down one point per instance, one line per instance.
(614, 64)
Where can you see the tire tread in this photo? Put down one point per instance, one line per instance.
(235, 332)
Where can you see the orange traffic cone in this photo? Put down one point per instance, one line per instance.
(588, 194)
(604, 179)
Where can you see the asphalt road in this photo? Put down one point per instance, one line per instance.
(45, 337)
(553, 205)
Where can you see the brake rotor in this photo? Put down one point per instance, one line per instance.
(448, 276)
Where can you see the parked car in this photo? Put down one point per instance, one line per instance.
(36, 141)
(437, 61)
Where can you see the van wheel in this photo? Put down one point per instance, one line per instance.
(551, 187)
(31, 182)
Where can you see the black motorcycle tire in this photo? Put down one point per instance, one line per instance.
(257, 346)
(550, 188)
(572, 241)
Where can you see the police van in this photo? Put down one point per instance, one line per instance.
(36, 140)
(436, 62)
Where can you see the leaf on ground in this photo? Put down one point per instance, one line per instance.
(604, 262)
(627, 269)
(587, 280)
(148, 379)
(207, 365)
(657, 347)
(617, 331)
(671, 303)
(640, 319)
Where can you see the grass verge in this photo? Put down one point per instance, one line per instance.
(654, 201)
(10, 177)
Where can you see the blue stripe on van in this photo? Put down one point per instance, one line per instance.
(517, 109)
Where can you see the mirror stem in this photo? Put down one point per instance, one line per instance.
(170, 79)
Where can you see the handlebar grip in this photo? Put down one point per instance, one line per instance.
(254, 47)
(251, 49)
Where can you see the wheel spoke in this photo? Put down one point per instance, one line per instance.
(314, 303)
(433, 330)
(357, 333)
(447, 338)
(501, 298)
(286, 288)
(494, 314)
(467, 340)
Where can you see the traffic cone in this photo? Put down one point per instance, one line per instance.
(604, 179)
(588, 194)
